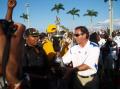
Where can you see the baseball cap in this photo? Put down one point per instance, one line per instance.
(31, 31)
(51, 28)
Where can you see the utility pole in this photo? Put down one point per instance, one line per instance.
(111, 17)
(27, 5)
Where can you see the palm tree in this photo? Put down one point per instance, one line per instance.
(74, 12)
(111, 0)
(58, 7)
(24, 16)
(91, 13)
(110, 14)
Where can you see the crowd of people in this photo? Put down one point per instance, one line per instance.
(48, 60)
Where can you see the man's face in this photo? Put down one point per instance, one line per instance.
(32, 40)
(79, 36)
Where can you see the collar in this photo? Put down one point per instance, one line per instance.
(86, 45)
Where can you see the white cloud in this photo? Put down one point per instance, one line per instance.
(115, 22)
(105, 24)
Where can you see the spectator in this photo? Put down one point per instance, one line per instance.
(94, 37)
(84, 58)
(48, 47)
(35, 60)
(11, 43)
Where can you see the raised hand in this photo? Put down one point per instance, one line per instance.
(11, 3)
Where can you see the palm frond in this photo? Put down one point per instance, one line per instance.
(77, 15)
(105, 0)
(111, 0)
(74, 12)
(24, 16)
(91, 13)
(57, 7)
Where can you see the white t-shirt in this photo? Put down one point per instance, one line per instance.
(88, 55)
(101, 42)
(117, 40)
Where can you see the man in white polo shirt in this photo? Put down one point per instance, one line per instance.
(84, 57)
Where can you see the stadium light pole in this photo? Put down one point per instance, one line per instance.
(27, 5)
(110, 17)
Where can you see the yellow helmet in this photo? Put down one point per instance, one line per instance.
(51, 28)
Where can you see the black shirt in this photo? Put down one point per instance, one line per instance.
(34, 62)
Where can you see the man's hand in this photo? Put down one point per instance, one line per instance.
(11, 4)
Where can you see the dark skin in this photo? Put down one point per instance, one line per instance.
(15, 55)
(11, 6)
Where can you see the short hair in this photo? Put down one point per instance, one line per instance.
(84, 30)
(94, 37)
(42, 35)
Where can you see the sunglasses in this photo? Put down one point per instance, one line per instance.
(34, 35)
(77, 35)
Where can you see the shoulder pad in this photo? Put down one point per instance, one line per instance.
(94, 44)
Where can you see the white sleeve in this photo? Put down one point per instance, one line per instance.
(67, 58)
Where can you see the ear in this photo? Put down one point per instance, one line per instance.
(26, 38)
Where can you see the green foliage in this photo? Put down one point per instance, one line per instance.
(74, 12)
(58, 7)
(64, 28)
(108, 0)
(24, 16)
(91, 13)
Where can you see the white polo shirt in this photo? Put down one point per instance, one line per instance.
(88, 55)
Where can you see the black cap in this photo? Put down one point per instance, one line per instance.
(31, 31)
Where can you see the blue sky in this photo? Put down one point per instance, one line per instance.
(41, 15)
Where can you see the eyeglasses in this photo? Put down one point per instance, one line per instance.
(77, 35)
